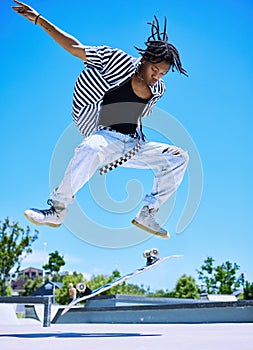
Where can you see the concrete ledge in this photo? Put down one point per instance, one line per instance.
(46, 300)
(195, 312)
(131, 300)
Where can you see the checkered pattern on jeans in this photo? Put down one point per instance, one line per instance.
(105, 169)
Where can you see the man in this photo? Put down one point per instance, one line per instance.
(72, 292)
(110, 99)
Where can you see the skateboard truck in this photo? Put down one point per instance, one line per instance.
(151, 256)
(83, 289)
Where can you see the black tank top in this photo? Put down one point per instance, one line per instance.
(122, 108)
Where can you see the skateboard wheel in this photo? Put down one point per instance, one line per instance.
(146, 253)
(81, 287)
(154, 252)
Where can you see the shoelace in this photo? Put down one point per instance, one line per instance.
(151, 213)
(51, 210)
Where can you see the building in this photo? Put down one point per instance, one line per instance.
(31, 272)
(17, 285)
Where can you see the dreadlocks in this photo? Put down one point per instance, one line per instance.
(159, 49)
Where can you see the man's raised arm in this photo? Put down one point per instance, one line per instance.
(68, 42)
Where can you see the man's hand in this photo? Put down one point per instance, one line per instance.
(68, 42)
(25, 11)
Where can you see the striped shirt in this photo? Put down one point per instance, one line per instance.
(107, 69)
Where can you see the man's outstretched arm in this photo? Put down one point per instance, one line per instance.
(68, 42)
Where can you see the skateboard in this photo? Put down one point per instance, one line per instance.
(152, 260)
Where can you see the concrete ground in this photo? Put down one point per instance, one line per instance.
(30, 335)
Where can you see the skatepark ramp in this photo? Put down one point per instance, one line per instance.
(8, 315)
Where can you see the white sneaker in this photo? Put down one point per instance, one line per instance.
(51, 217)
(145, 220)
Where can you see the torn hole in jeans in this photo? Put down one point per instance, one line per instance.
(173, 150)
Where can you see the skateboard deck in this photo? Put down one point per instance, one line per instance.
(148, 266)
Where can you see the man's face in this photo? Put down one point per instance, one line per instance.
(152, 72)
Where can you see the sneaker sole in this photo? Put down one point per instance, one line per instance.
(145, 228)
(41, 224)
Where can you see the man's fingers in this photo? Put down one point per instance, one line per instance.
(18, 9)
(21, 4)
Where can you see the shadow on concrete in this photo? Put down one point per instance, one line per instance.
(78, 335)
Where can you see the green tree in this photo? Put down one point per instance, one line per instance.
(15, 243)
(221, 279)
(55, 262)
(206, 276)
(62, 294)
(160, 293)
(31, 285)
(123, 288)
(248, 291)
(186, 288)
(127, 288)
(226, 279)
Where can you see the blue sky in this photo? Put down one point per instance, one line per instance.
(212, 109)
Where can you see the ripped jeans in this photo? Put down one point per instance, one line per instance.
(104, 146)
